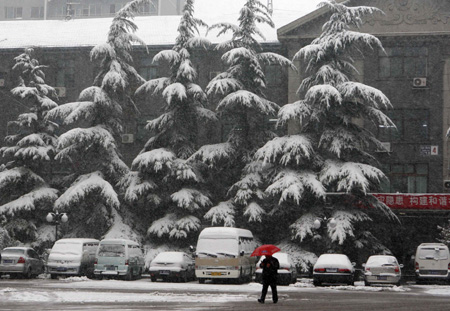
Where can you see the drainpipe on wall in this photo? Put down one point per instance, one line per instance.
(159, 7)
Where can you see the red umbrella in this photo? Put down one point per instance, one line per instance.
(266, 249)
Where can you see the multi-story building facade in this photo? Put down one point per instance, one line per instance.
(65, 9)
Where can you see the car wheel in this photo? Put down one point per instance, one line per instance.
(201, 281)
(366, 283)
(28, 274)
(153, 278)
(53, 276)
(317, 283)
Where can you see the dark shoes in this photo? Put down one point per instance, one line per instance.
(260, 301)
(275, 301)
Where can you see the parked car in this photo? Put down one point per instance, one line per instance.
(382, 269)
(74, 256)
(287, 274)
(333, 268)
(21, 262)
(432, 263)
(120, 258)
(174, 266)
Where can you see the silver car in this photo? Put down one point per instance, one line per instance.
(21, 262)
(382, 269)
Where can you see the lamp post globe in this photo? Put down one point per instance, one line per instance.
(55, 219)
(316, 224)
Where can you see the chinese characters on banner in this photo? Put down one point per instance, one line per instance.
(415, 201)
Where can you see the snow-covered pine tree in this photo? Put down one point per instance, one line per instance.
(240, 91)
(89, 148)
(332, 113)
(26, 194)
(167, 185)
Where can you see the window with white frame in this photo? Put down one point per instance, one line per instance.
(401, 62)
(13, 12)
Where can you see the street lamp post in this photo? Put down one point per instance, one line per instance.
(331, 222)
(55, 219)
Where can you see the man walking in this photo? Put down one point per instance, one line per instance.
(270, 266)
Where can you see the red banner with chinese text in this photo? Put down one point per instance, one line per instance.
(415, 201)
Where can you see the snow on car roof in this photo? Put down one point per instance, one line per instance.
(333, 259)
(224, 232)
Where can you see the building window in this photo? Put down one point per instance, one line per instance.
(274, 75)
(66, 73)
(412, 126)
(403, 62)
(37, 12)
(405, 178)
(13, 12)
(150, 8)
(95, 10)
(147, 69)
(112, 9)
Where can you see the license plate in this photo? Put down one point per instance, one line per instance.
(434, 272)
(7, 261)
(164, 272)
(110, 268)
(216, 273)
(381, 277)
(331, 270)
(61, 269)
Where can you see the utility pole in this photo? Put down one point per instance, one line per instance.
(270, 6)
(45, 9)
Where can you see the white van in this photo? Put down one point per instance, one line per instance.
(432, 262)
(72, 257)
(223, 253)
(119, 258)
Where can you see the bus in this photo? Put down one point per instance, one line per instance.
(223, 253)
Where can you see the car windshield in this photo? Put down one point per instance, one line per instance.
(433, 253)
(67, 248)
(214, 247)
(13, 251)
(111, 250)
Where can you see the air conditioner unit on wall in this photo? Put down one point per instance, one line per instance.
(386, 147)
(2, 82)
(60, 91)
(419, 82)
(127, 138)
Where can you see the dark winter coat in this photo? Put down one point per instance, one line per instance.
(270, 266)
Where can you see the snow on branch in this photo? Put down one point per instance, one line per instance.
(163, 121)
(325, 94)
(205, 114)
(198, 42)
(223, 213)
(350, 176)
(170, 56)
(291, 185)
(254, 212)
(104, 49)
(154, 160)
(212, 154)
(232, 56)
(344, 224)
(153, 86)
(174, 91)
(190, 199)
(84, 138)
(223, 84)
(286, 150)
(135, 187)
(19, 175)
(35, 153)
(364, 94)
(92, 184)
(303, 227)
(30, 201)
(271, 58)
(243, 98)
(71, 112)
(163, 225)
(295, 111)
(183, 226)
(246, 188)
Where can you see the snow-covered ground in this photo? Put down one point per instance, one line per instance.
(76, 289)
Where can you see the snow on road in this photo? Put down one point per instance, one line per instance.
(77, 289)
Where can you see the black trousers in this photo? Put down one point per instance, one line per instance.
(273, 287)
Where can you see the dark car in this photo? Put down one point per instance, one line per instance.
(172, 266)
(287, 274)
(333, 268)
(21, 262)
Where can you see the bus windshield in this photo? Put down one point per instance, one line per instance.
(217, 247)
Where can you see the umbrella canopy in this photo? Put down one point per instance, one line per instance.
(266, 249)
